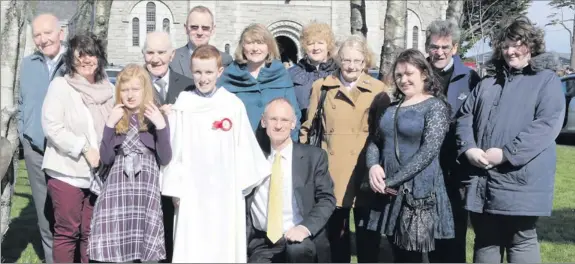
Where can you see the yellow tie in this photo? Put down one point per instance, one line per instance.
(275, 230)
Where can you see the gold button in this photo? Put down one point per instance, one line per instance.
(353, 152)
(331, 130)
(331, 152)
(333, 106)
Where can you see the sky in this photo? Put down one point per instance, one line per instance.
(556, 37)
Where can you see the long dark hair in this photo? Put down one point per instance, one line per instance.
(86, 44)
(417, 59)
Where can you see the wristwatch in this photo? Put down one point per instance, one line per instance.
(85, 148)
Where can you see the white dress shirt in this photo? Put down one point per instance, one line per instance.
(51, 63)
(166, 79)
(291, 212)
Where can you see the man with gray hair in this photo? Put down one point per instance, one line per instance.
(36, 73)
(457, 80)
(158, 53)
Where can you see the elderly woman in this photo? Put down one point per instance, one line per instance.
(74, 113)
(413, 208)
(318, 43)
(349, 95)
(257, 76)
(506, 132)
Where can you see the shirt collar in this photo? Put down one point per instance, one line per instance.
(346, 83)
(208, 95)
(166, 77)
(191, 47)
(56, 58)
(286, 152)
(448, 66)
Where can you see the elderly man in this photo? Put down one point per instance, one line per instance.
(158, 53)
(289, 210)
(36, 73)
(199, 27)
(442, 38)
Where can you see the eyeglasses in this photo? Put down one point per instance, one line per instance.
(435, 48)
(349, 62)
(194, 28)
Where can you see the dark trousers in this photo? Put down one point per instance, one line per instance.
(496, 234)
(73, 212)
(168, 211)
(42, 201)
(262, 250)
(453, 250)
(367, 242)
(405, 256)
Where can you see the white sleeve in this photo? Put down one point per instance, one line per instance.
(171, 174)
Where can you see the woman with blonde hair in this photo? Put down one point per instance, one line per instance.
(348, 99)
(127, 223)
(257, 76)
(318, 44)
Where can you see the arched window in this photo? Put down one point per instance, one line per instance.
(166, 25)
(150, 17)
(135, 31)
(415, 40)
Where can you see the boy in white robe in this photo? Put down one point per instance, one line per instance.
(216, 162)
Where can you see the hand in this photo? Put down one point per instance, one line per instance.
(166, 109)
(176, 201)
(297, 234)
(93, 157)
(115, 115)
(153, 114)
(477, 158)
(494, 156)
(377, 178)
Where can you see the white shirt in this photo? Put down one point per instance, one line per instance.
(166, 79)
(291, 212)
(51, 63)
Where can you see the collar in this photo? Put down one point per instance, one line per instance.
(448, 66)
(364, 82)
(346, 83)
(191, 47)
(286, 152)
(56, 58)
(207, 95)
(166, 77)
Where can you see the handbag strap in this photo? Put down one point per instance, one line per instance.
(395, 127)
(319, 110)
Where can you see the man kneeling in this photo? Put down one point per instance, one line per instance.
(290, 209)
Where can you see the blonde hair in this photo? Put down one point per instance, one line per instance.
(315, 31)
(257, 32)
(129, 73)
(358, 43)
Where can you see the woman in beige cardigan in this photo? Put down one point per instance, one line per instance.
(73, 116)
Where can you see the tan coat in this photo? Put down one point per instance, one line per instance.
(346, 129)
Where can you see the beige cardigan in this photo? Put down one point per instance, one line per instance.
(67, 129)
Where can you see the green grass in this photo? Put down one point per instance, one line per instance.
(556, 233)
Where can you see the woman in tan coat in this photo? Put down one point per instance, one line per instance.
(348, 109)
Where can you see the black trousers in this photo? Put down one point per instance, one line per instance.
(367, 242)
(262, 250)
(453, 250)
(168, 211)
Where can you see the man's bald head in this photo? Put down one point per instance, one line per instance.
(47, 34)
(158, 53)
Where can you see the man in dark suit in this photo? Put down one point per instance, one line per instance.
(199, 27)
(288, 212)
(158, 52)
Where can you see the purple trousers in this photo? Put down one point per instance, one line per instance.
(72, 214)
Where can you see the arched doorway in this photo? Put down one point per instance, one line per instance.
(288, 49)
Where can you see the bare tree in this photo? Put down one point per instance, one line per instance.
(102, 20)
(14, 19)
(455, 11)
(394, 35)
(559, 19)
(358, 23)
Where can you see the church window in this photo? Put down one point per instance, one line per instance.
(415, 40)
(150, 17)
(135, 31)
(166, 25)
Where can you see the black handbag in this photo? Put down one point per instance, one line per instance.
(316, 129)
(415, 227)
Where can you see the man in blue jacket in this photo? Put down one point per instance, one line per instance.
(36, 73)
(442, 38)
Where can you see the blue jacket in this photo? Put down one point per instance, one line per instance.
(34, 82)
(520, 112)
(273, 81)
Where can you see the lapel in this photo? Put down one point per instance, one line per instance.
(299, 171)
(173, 87)
(157, 98)
(184, 59)
(362, 85)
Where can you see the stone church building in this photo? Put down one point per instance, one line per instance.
(130, 20)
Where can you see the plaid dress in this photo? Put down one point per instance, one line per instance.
(127, 220)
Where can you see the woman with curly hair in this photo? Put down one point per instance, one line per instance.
(412, 208)
(506, 134)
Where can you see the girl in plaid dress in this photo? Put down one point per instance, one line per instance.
(127, 221)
